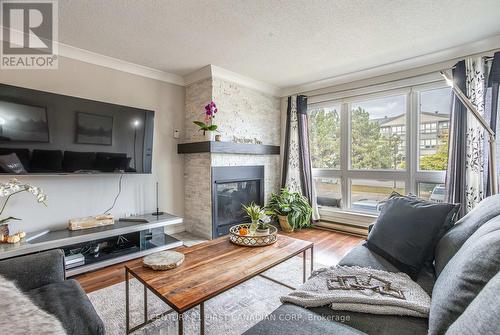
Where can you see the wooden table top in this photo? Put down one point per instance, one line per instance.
(213, 267)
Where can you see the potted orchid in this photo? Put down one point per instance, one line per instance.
(11, 188)
(208, 125)
(259, 217)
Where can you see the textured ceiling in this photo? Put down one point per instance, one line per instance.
(284, 43)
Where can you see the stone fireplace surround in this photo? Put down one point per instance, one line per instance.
(243, 112)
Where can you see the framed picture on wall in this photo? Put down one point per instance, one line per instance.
(23, 123)
(94, 129)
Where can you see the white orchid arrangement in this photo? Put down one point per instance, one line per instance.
(13, 187)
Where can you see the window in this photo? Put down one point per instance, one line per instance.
(328, 191)
(369, 195)
(324, 136)
(372, 148)
(363, 147)
(432, 191)
(435, 106)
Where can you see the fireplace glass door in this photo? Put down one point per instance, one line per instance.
(230, 198)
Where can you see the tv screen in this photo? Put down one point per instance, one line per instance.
(47, 133)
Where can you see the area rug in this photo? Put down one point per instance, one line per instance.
(232, 312)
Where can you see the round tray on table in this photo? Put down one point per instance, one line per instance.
(257, 240)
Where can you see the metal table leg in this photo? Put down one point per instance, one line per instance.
(181, 324)
(312, 258)
(304, 266)
(127, 302)
(202, 318)
(145, 304)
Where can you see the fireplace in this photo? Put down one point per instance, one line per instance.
(233, 186)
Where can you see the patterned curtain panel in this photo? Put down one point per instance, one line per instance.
(492, 110)
(475, 137)
(297, 170)
(467, 177)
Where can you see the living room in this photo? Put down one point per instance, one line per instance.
(249, 167)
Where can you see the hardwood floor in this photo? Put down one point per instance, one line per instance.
(329, 248)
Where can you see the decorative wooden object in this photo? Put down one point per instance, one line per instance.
(163, 260)
(4, 229)
(91, 222)
(248, 240)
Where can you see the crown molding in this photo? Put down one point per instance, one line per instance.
(87, 56)
(426, 63)
(208, 71)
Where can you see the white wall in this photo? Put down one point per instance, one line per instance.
(76, 196)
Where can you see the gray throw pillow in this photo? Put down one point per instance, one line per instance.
(464, 276)
(408, 229)
(483, 314)
(11, 164)
(464, 228)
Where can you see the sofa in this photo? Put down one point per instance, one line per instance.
(41, 277)
(58, 161)
(463, 282)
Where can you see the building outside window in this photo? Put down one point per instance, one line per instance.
(367, 146)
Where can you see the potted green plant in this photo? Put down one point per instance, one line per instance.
(259, 217)
(291, 208)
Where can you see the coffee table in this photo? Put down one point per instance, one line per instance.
(209, 269)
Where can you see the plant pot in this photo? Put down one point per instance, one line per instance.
(209, 136)
(262, 232)
(285, 225)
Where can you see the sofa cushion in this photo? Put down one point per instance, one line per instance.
(74, 161)
(22, 154)
(482, 316)
(364, 257)
(19, 315)
(463, 229)
(464, 276)
(11, 164)
(35, 270)
(46, 161)
(408, 229)
(111, 162)
(290, 319)
(69, 303)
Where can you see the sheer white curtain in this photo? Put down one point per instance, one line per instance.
(475, 136)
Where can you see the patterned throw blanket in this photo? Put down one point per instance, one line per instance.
(362, 290)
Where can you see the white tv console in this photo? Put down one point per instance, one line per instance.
(143, 235)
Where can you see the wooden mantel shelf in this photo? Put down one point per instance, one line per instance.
(227, 148)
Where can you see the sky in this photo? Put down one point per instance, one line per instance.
(434, 100)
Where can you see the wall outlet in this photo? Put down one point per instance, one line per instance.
(177, 133)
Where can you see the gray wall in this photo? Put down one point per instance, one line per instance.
(77, 196)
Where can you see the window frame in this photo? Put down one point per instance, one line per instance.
(411, 176)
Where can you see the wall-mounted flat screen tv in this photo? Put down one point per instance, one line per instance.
(47, 133)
